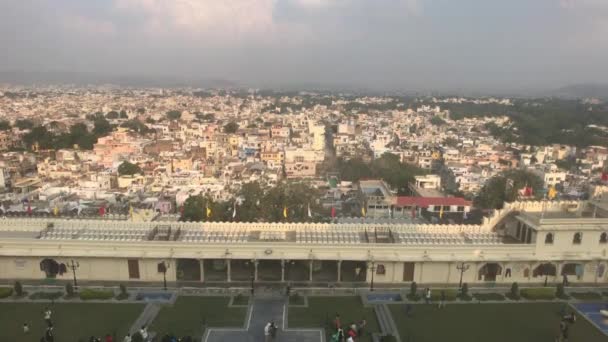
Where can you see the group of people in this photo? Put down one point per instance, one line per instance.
(49, 333)
(270, 332)
(348, 333)
(428, 297)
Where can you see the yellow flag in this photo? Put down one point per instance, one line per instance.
(363, 213)
(208, 212)
(441, 212)
(285, 212)
(552, 193)
(56, 211)
(131, 211)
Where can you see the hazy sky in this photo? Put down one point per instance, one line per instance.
(407, 44)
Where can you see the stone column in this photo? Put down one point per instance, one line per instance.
(282, 270)
(339, 271)
(202, 264)
(255, 270)
(447, 281)
(421, 271)
(310, 271)
(228, 270)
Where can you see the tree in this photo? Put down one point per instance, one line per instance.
(5, 125)
(127, 168)
(101, 127)
(174, 115)
(18, 289)
(195, 207)
(494, 193)
(123, 114)
(437, 121)
(231, 127)
(24, 124)
(141, 110)
(112, 115)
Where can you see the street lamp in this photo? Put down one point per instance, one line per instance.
(163, 267)
(462, 267)
(73, 265)
(252, 277)
(372, 269)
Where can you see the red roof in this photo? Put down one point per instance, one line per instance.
(425, 202)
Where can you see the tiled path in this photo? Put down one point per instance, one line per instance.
(263, 311)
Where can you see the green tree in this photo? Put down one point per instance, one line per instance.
(5, 125)
(127, 168)
(195, 209)
(101, 127)
(141, 110)
(437, 121)
(24, 124)
(494, 193)
(123, 114)
(174, 115)
(231, 127)
(112, 115)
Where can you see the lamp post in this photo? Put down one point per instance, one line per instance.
(163, 267)
(73, 265)
(252, 278)
(372, 269)
(462, 267)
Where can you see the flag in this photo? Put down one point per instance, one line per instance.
(465, 215)
(208, 211)
(309, 212)
(55, 211)
(604, 176)
(333, 211)
(526, 191)
(390, 212)
(29, 209)
(285, 212)
(102, 210)
(552, 192)
(131, 211)
(441, 212)
(234, 211)
(363, 211)
(413, 211)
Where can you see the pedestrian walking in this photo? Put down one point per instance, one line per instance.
(273, 331)
(144, 332)
(26, 328)
(127, 338)
(47, 316)
(442, 300)
(427, 295)
(267, 332)
(337, 322)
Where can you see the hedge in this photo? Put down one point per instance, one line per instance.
(542, 293)
(6, 292)
(489, 296)
(88, 294)
(450, 294)
(46, 295)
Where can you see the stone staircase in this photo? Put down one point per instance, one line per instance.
(386, 323)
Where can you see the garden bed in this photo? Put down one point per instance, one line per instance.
(489, 296)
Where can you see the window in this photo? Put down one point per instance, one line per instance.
(549, 239)
(604, 238)
(380, 270)
(578, 238)
(437, 208)
(408, 271)
(446, 208)
(460, 208)
(133, 268)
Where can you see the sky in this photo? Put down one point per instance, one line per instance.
(376, 44)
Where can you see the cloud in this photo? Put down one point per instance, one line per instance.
(85, 25)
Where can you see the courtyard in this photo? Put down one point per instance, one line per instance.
(72, 321)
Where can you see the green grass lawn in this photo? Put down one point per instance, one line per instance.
(72, 321)
(187, 315)
(321, 312)
(524, 322)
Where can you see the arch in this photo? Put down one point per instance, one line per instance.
(604, 237)
(573, 269)
(549, 239)
(489, 271)
(545, 269)
(577, 238)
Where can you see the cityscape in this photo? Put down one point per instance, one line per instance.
(254, 198)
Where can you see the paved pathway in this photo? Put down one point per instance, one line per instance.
(264, 310)
(145, 318)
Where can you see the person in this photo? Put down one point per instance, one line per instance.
(267, 332)
(144, 332)
(273, 331)
(350, 339)
(109, 338)
(353, 327)
(49, 336)
(352, 333)
(570, 318)
(26, 328)
(442, 299)
(337, 322)
(340, 335)
(361, 326)
(47, 316)
(127, 338)
(564, 328)
(427, 295)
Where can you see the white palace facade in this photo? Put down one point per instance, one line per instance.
(526, 242)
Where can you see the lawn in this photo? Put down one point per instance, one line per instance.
(186, 316)
(321, 312)
(72, 321)
(521, 322)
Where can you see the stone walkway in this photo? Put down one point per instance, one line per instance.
(145, 318)
(263, 311)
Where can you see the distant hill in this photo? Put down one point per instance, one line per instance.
(599, 91)
(86, 78)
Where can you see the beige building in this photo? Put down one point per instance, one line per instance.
(526, 242)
